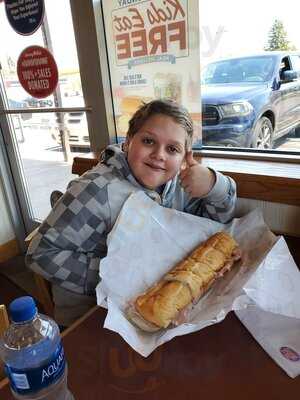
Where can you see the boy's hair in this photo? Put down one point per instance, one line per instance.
(166, 107)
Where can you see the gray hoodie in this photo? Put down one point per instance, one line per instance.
(71, 241)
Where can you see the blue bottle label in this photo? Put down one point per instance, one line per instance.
(34, 379)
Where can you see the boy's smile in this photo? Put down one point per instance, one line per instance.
(156, 151)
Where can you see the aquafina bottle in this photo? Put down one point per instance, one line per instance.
(33, 355)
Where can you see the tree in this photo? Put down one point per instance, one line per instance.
(278, 38)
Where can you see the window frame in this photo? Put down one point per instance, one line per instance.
(89, 33)
(250, 154)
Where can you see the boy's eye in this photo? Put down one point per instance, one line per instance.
(173, 149)
(148, 140)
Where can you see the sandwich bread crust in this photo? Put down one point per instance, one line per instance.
(188, 281)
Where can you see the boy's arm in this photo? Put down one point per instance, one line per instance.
(72, 240)
(218, 204)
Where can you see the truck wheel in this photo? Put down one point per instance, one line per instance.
(263, 134)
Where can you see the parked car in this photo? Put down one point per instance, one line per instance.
(251, 101)
(75, 124)
(39, 103)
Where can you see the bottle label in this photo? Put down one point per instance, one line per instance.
(32, 380)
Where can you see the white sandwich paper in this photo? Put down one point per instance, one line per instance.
(272, 315)
(148, 239)
(278, 335)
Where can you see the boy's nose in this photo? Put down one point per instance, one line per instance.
(159, 153)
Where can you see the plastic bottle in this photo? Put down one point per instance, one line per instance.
(33, 355)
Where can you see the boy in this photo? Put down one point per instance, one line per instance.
(157, 159)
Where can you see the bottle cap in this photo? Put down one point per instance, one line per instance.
(22, 309)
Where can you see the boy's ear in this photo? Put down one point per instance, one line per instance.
(125, 145)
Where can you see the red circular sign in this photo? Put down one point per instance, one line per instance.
(37, 71)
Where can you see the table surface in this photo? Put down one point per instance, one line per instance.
(222, 361)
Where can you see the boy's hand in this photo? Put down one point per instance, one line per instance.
(196, 179)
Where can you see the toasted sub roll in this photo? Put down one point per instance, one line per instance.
(190, 279)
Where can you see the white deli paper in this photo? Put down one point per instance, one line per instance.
(272, 315)
(148, 239)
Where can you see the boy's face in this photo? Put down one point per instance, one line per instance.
(156, 151)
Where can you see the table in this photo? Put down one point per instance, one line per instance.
(220, 362)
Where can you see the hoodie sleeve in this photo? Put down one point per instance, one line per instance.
(71, 241)
(218, 204)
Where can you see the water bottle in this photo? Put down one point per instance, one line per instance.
(33, 355)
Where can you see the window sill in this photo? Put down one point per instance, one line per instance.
(280, 157)
(260, 178)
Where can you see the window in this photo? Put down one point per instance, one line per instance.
(250, 97)
(296, 62)
(37, 155)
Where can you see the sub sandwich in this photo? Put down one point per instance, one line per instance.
(167, 302)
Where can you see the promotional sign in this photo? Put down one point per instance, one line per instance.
(37, 71)
(25, 16)
(153, 48)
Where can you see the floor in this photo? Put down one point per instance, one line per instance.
(16, 280)
(9, 291)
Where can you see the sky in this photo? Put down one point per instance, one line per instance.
(238, 27)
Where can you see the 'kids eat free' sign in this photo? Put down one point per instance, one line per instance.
(150, 28)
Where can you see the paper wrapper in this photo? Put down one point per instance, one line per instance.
(272, 315)
(148, 240)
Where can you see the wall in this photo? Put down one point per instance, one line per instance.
(280, 218)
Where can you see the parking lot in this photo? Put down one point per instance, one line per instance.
(44, 168)
(288, 143)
